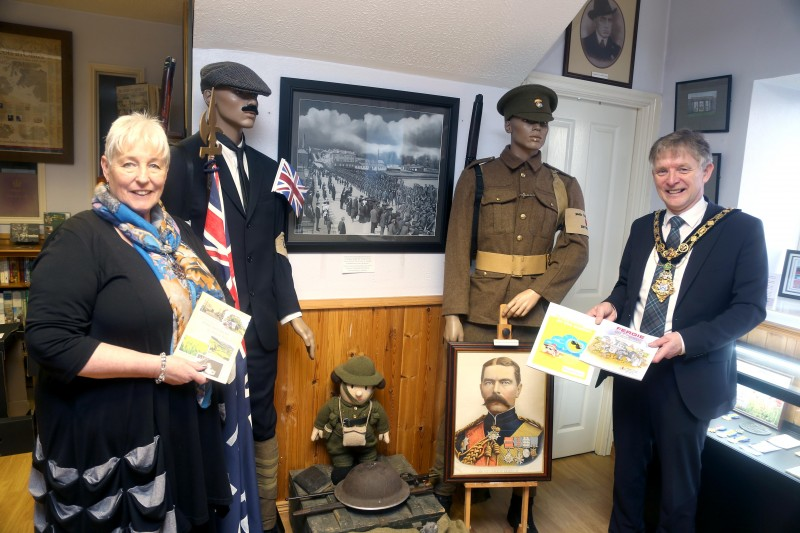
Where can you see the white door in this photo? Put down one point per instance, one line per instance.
(598, 140)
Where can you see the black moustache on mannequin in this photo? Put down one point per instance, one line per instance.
(250, 109)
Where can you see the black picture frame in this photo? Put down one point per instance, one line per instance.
(40, 131)
(613, 63)
(466, 412)
(323, 133)
(704, 105)
(711, 188)
(790, 277)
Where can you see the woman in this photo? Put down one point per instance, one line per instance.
(127, 437)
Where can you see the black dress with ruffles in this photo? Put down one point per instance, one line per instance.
(114, 454)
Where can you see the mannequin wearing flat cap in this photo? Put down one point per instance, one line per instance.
(352, 423)
(255, 219)
(532, 238)
(599, 46)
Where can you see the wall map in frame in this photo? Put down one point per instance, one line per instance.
(36, 114)
(378, 165)
(601, 42)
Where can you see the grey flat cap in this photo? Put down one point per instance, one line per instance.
(233, 75)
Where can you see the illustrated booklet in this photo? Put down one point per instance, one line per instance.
(570, 345)
(213, 336)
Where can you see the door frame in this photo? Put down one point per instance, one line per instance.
(648, 113)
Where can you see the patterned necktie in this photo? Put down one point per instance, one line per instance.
(244, 181)
(655, 312)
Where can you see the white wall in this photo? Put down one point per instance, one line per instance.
(318, 276)
(106, 40)
(751, 41)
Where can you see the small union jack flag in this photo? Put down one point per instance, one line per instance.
(288, 183)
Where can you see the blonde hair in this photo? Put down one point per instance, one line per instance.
(133, 129)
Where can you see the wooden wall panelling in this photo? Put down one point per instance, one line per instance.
(403, 337)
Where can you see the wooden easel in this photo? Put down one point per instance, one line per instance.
(504, 332)
(526, 492)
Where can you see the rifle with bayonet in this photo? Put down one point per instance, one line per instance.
(474, 130)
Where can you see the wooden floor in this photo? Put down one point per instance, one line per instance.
(576, 500)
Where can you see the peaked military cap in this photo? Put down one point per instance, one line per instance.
(233, 75)
(530, 101)
(359, 370)
(601, 8)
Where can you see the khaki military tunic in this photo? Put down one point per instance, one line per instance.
(518, 216)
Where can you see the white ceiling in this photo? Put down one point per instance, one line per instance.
(488, 42)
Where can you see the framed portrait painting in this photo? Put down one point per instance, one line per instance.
(601, 42)
(790, 278)
(703, 105)
(378, 165)
(499, 415)
(36, 114)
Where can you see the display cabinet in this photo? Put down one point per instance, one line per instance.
(743, 489)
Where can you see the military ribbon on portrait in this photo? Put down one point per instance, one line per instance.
(288, 183)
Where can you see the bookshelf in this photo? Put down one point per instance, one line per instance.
(15, 257)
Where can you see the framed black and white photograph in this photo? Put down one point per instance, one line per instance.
(499, 415)
(790, 278)
(703, 105)
(711, 189)
(378, 165)
(36, 111)
(601, 42)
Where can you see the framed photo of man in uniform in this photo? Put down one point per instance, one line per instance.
(601, 42)
(499, 415)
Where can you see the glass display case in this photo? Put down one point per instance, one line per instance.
(751, 466)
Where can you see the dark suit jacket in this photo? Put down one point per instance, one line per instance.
(263, 276)
(608, 53)
(722, 297)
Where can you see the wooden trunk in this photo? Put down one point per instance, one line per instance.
(415, 512)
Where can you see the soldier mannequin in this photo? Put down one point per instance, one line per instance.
(525, 205)
(255, 218)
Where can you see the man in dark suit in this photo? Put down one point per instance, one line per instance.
(255, 218)
(697, 298)
(599, 46)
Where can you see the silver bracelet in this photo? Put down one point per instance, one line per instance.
(163, 375)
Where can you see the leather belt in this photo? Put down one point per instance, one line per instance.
(515, 265)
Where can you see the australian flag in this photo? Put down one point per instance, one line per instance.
(244, 515)
(288, 183)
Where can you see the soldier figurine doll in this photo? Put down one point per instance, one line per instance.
(352, 422)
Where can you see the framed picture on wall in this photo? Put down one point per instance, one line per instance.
(105, 80)
(601, 42)
(711, 189)
(703, 105)
(378, 165)
(36, 114)
(790, 278)
(22, 200)
(499, 415)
